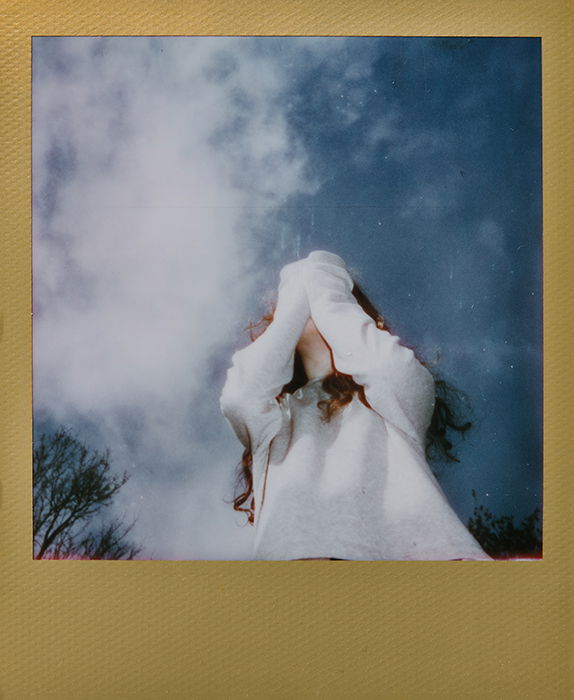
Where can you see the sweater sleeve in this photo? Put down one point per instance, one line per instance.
(396, 384)
(259, 371)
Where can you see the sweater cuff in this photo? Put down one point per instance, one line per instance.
(323, 256)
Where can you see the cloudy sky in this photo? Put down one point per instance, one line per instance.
(174, 177)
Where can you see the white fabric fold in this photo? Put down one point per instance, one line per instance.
(359, 486)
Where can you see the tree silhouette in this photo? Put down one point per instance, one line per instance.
(72, 488)
(501, 538)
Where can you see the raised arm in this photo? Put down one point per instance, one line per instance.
(260, 370)
(396, 384)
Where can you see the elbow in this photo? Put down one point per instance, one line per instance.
(232, 392)
(224, 404)
(427, 381)
(414, 367)
(230, 401)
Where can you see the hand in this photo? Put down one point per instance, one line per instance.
(323, 256)
(322, 265)
(291, 271)
(291, 295)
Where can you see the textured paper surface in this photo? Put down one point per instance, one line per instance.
(282, 629)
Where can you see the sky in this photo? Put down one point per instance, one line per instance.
(173, 177)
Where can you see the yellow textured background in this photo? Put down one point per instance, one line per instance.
(394, 630)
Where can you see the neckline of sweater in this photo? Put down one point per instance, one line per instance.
(312, 382)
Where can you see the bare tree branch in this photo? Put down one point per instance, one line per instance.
(72, 486)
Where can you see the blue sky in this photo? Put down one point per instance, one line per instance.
(174, 177)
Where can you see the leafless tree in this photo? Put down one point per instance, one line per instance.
(72, 488)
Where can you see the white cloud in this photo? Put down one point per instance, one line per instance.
(156, 162)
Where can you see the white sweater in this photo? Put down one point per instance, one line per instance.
(358, 486)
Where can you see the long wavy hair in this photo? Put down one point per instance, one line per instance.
(447, 421)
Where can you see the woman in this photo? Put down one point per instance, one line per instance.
(337, 472)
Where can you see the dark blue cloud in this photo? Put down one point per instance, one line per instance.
(432, 192)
